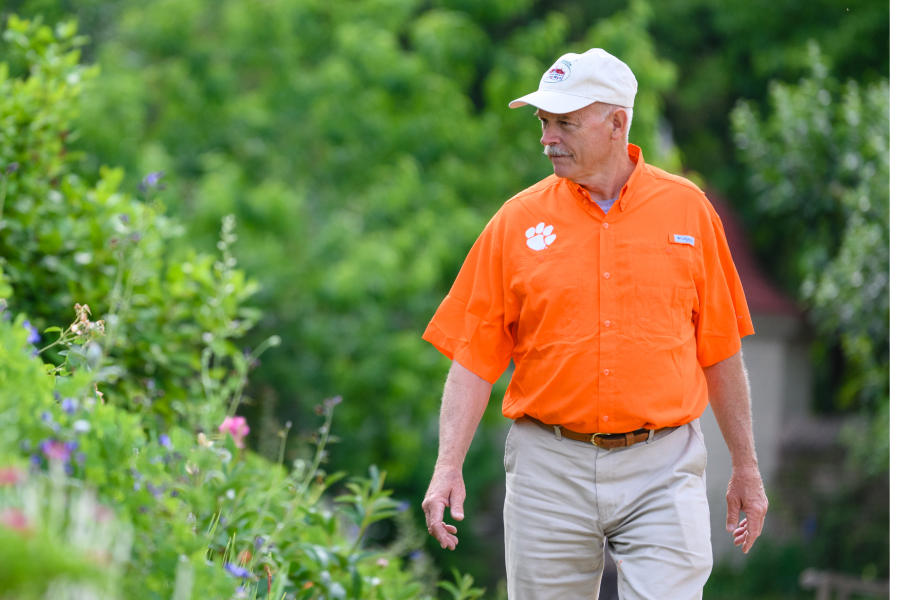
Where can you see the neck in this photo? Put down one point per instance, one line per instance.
(609, 180)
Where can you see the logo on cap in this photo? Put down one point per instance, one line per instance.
(558, 72)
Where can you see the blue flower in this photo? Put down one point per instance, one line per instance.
(165, 441)
(47, 418)
(151, 180)
(70, 405)
(403, 506)
(417, 555)
(258, 542)
(237, 571)
(33, 335)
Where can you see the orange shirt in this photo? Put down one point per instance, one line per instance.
(608, 317)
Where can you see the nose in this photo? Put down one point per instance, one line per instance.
(549, 137)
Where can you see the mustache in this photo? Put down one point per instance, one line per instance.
(555, 150)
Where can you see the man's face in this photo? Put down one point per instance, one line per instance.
(579, 143)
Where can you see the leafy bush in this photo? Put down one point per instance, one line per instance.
(123, 468)
(820, 172)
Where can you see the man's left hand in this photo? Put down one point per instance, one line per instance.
(746, 493)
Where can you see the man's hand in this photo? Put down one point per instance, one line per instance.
(746, 493)
(446, 489)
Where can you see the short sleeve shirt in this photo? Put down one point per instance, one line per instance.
(609, 318)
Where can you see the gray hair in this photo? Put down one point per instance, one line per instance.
(608, 109)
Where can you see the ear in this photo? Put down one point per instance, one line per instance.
(619, 120)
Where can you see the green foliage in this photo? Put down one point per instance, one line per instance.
(819, 165)
(130, 489)
(462, 588)
(63, 241)
(726, 51)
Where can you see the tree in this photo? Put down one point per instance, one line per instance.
(820, 174)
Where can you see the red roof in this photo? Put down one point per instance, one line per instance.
(762, 295)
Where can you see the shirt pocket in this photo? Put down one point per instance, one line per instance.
(550, 294)
(663, 289)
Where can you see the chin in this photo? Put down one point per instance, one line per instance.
(562, 171)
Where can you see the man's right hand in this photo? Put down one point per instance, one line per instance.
(445, 490)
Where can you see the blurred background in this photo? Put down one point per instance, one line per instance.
(362, 145)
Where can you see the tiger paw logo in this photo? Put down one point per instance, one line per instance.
(538, 238)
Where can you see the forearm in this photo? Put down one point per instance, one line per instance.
(465, 398)
(729, 396)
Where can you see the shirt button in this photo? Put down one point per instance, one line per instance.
(668, 251)
(606, 226)
(606, 275)
(606, 371)
(607, 323)
(605, 417)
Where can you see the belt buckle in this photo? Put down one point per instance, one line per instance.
(594, 438)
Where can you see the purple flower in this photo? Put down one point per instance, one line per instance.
(12, 167)
(258, 542)
(70, 405)
(156, 491)
(237, 571)
(33, 335)
(416, 555)
(57, 450)
(35, 460)
(403, 506)
(151, 180)
(165, 441)
(79, 458)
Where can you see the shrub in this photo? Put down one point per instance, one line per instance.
(123, 470)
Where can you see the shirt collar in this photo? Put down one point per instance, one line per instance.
(630, 187)
(627, 191)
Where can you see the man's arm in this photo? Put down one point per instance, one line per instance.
(466, 396)
(729, 396)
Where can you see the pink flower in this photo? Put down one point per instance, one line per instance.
(237, 427)
(14, 518)
(11, 476)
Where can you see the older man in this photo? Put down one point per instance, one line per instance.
(611, 286)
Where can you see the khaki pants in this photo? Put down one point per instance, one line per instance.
(565, 498)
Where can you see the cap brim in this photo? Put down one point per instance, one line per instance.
(553, 102)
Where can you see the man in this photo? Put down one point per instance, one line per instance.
(611, 286)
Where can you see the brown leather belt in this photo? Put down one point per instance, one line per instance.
(602, 440)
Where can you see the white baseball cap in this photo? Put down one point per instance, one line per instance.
(576, 80)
